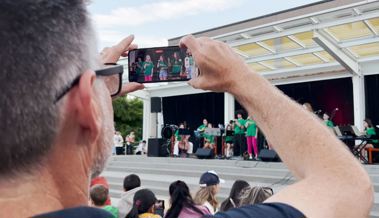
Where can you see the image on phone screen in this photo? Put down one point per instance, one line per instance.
(163, 64)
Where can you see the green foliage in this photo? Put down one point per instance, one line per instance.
(128, 116)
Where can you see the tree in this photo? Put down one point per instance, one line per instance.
(128, 116)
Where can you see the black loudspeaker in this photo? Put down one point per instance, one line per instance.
(156, 105)
(157, 148)
(268, 155)
(203, 153)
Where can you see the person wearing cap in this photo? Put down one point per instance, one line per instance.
(143, 205)
(209, 187)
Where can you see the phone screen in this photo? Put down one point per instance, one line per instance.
(163, 64)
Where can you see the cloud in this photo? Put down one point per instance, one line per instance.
(162, 10)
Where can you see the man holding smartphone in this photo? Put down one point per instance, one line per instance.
(46, 166)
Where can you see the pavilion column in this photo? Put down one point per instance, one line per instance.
(229, 105)
(359, 100)
(146, 126)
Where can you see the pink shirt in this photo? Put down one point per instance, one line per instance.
(189, 213)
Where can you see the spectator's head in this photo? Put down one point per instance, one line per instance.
(143, 202)
(209, 187)
(58, 119)
(180, 197)
(98, 195)
(367, 123)
(131, 181)
(235, 192)
(254, 195)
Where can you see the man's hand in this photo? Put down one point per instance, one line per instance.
(220, 67)
(113, 54)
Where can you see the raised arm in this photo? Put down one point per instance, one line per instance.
(331, 182)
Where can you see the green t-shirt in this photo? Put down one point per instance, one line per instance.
(237, 129)
(176, 66)
(162, 65)
(209, 138)
(201, 129)
(112, 210)
(148, 68)
(177, 136)
(139, 67)
(370, 132)
(251, 128)
(229, 138)
(329, 123)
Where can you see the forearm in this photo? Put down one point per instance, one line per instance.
(299, 138)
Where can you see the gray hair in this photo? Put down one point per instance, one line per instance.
(44, 46)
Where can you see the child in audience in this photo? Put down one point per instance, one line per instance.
(143, 205)
(99, 195)
(209, 187)
(182, 204)
(132, 184)
(233, 200)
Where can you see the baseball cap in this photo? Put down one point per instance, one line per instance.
(210, 178)
(144, 199)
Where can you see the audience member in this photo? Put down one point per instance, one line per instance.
(132, 184)
(142, 148)
(143, 205)
(254, 195)
(118, 142)
(209, 187)
(99, 195)
(101, 180)
(182, 204)
(233, 200)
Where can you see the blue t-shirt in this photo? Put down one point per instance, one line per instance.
(77, 212)
(268, 210)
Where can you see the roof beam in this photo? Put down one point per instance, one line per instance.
(336, 52)
(371, 27)
(304, 29)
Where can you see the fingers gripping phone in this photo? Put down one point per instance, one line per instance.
(162, 64)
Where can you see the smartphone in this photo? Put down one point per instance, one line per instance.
(159, 207)
(161, 64)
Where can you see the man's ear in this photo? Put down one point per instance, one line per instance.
(87, 109)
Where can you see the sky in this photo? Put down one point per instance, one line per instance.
(153, 22)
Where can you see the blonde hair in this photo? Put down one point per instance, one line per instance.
(205, 194)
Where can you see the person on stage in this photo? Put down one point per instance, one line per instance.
(228, 150)
(239, 135)
(202, 127)
(176, 63)
(327, 120)
(182, 143)
(209, 140)
(162, 66)
(148, 68)
(371, 133)
(251, 137)
(139, 68)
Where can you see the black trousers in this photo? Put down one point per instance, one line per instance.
(240, 145)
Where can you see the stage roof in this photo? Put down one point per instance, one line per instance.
(324, 40)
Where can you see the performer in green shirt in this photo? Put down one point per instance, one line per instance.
(209, 140)
(139, 66)
(162, 66)
(239, 135)
(177, 65)
(148, 67)
(228, 150)
(251, 137)
(327, 120)
(370, 130)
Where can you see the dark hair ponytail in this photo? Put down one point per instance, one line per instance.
(180, 198)
(143, 200)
